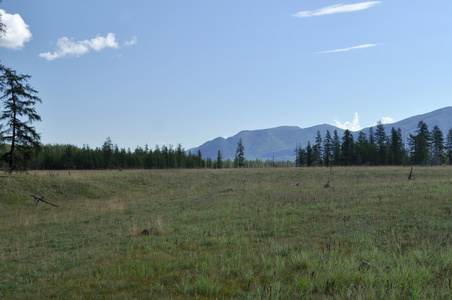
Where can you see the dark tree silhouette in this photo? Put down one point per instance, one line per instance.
(19, 113)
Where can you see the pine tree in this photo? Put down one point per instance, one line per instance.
(449, 146)
(336, 149)
(219, 160)
(381, 143)
(327, 149)
(396, 151)
(419, 144)
(348, 149)
(362, 149)
(317, 149)
(19, 99)
(437, 144)
(309, 155)
(240, 154)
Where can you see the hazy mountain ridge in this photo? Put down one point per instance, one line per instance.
(280, 142)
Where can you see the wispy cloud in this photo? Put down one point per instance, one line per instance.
(353, 125)
(349, 48)
(337, 8)
(132, 42)
(17, 32)
(67, 46)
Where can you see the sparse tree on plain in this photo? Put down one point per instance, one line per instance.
(219, 160)
(240, 154)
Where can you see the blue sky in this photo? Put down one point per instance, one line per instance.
(168, 72)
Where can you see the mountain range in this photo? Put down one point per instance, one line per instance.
(279, 143)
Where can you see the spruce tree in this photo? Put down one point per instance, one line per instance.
(240, 154)
(219, 160)
(309, 155)
(380, 139)
(19, 100)
(318, 149)
(419, 144)
(348, 149)
(327, 149)
(336, 149)
(437, 145)
(362, 149)
(449, 146)
(396, 151)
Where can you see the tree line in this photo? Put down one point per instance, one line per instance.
(110, 156)
(378, 148)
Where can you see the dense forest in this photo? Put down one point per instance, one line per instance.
(377, 148)
(110, 156)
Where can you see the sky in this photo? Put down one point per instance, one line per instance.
(168, 72)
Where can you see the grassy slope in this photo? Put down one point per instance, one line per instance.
(228, 233)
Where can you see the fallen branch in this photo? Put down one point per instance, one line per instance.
(37, 199)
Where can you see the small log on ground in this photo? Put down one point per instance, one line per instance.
(37, 199)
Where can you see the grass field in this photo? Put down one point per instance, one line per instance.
(241, 234)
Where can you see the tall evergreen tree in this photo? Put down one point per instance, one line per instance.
(362, 149)
(19, 100)
(437, 145)
(419, 144)
(107, 153)
(318, 149)
(449, 146)
(372, 150)
(327, 149)
(219, 160)
(336, 149)
(240, 154)
(348, 149)
(309, 155)
(396, 151)
(180, 154)
(381, 143)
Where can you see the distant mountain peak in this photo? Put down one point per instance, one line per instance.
(279, 142)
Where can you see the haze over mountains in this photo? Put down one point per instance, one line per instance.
(279, 143)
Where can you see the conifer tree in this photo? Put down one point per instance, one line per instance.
(327, 149)
(19, 100)
(449, 146)
(317, 149)
(396, 147)
(437, 145)
(348, 149)
(219, 160)
(362, 149)
(240, 154)
(381, 143)
(336, 149)
(309, 155)
(419, 144)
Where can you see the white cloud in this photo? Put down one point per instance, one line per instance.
(353, 125)
(337, 8)
(387, 120)
(132, 42)
(349, 48)
(17, 32)
(66, 46)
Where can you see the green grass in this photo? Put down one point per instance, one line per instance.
(242, 234)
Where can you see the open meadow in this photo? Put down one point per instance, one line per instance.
(235, 233)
